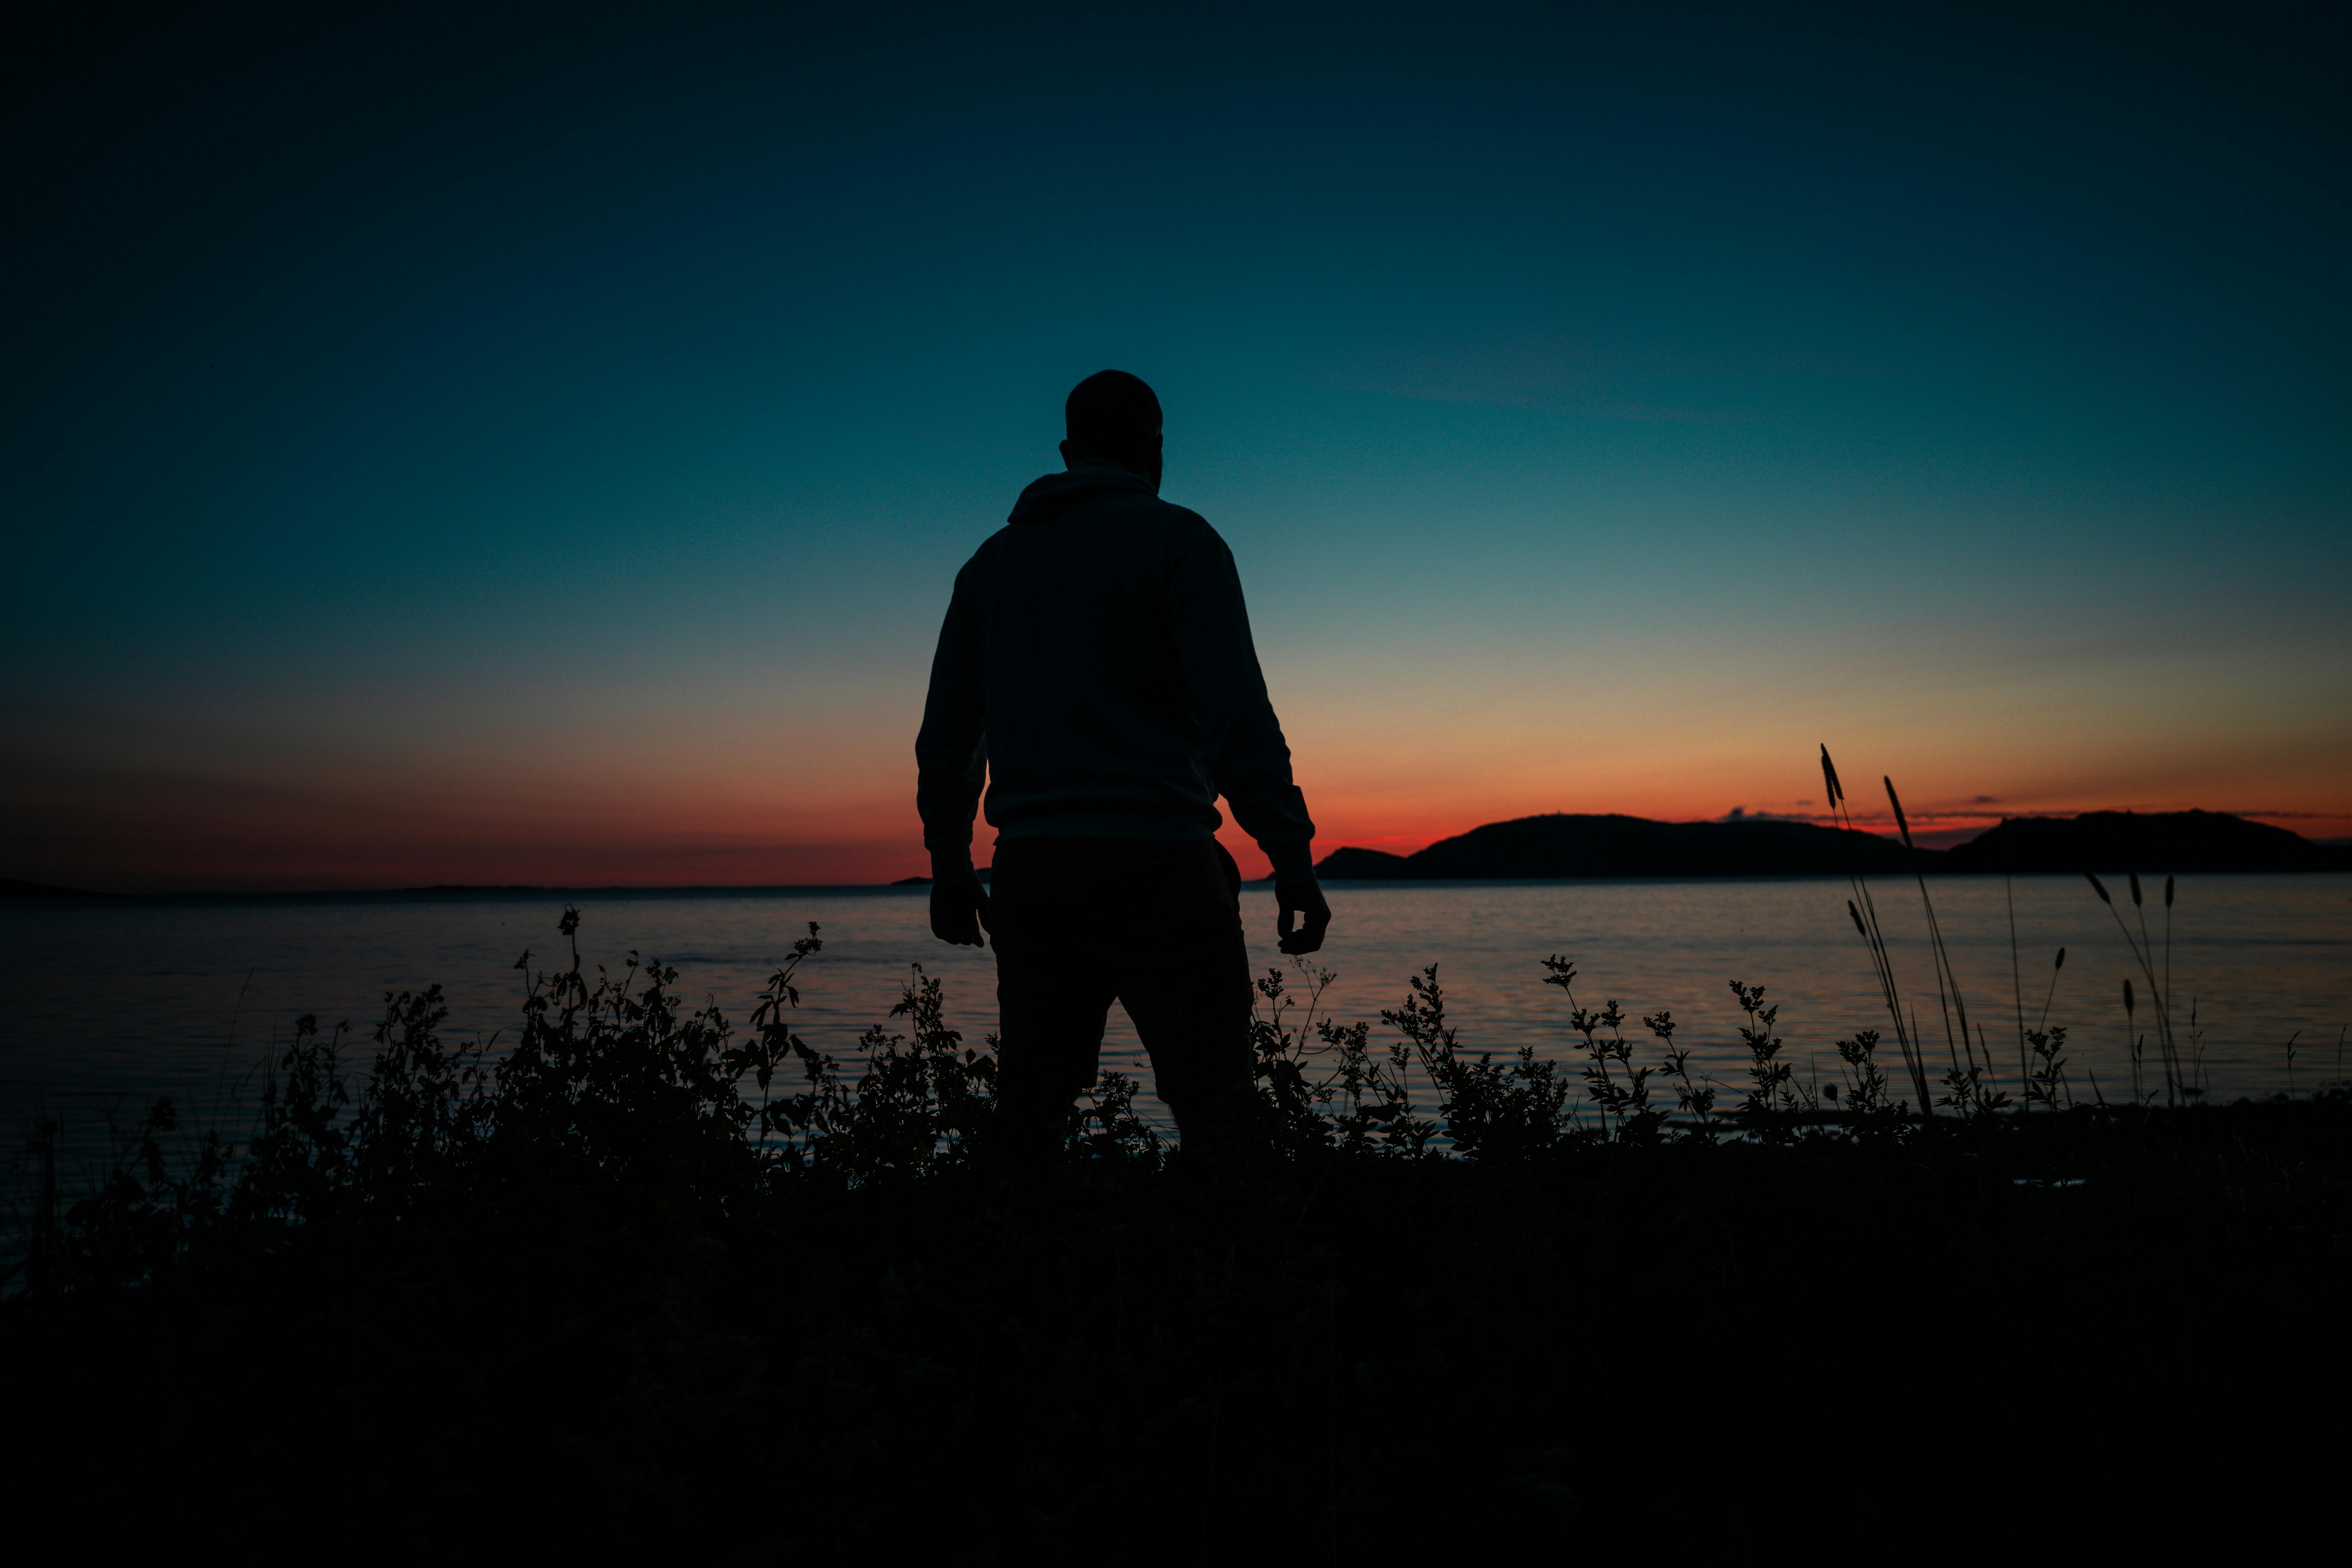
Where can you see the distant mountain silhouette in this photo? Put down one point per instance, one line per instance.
(10, 887)
(1565, 845)
(2159, 841)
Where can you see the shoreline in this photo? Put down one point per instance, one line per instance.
(74, 899)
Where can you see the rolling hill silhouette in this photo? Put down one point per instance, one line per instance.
(1561, 845)
(1614, 845)
(2161, 841)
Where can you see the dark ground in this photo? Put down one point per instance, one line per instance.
(1838, 1350)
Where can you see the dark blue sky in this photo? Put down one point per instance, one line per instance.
(489, 443)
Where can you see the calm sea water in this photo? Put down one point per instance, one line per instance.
(110, 1006)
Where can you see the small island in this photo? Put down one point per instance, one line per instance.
(1562, 844)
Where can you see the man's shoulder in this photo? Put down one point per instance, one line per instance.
(1139, 514)
(1180, 524)
(1184, 517)
(1177, 537)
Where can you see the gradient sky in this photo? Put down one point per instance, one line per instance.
(494, 444)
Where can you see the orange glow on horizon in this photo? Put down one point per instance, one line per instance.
(344, 844)
(780, 805)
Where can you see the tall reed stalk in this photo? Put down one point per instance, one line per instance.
(2134, 1041)
(1864, 911)
(1965, 1087)
(2143, 952)
(2168, 943)
(2016, 968)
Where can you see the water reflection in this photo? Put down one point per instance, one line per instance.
(115, 1004)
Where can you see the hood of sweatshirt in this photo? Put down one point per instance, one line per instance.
(1057, 494)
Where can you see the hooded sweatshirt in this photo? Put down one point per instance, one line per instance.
(1095, 669)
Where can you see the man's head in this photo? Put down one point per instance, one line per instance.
(1114, 417)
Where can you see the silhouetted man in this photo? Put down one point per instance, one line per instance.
(1095, 670)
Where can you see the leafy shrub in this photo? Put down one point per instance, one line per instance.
(617, 1093)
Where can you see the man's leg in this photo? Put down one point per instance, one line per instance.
(1193, 1018)
(1052, 997)
(1050, 1012)
(1189, 994)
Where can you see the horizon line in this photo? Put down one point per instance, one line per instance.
(34, 891)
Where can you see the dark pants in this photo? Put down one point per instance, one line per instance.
(1078, 924)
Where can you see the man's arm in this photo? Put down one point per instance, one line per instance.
(952, 767)
(1242, 741)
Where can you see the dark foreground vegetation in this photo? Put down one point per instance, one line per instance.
(644, 1284)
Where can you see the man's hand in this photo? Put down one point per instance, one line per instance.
(959, 903)
(1302, 907)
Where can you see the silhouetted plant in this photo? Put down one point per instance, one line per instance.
(1863, 911)
(1628, 1102)
(1866, 1085)
(922, 1101)
(2196, 1086)
(423, 1105)
(2042, 1085)
(773, 1043)
(142, 1217)
(1965, 1087)
(1289, 1102)
(1491, 1110)
(2137, 1042)
(1108, 1129)
(1967, 1091)
(1773, 1091)
(1379, 1119)
(2143, 953)
(1295, 1097)
(615, 1082)
(298, 1165)
(1693, 1098)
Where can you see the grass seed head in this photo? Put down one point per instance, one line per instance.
(2168, 892)
(1893, 800)
(2134, 887)
(2099, 887)
(2127, 999)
